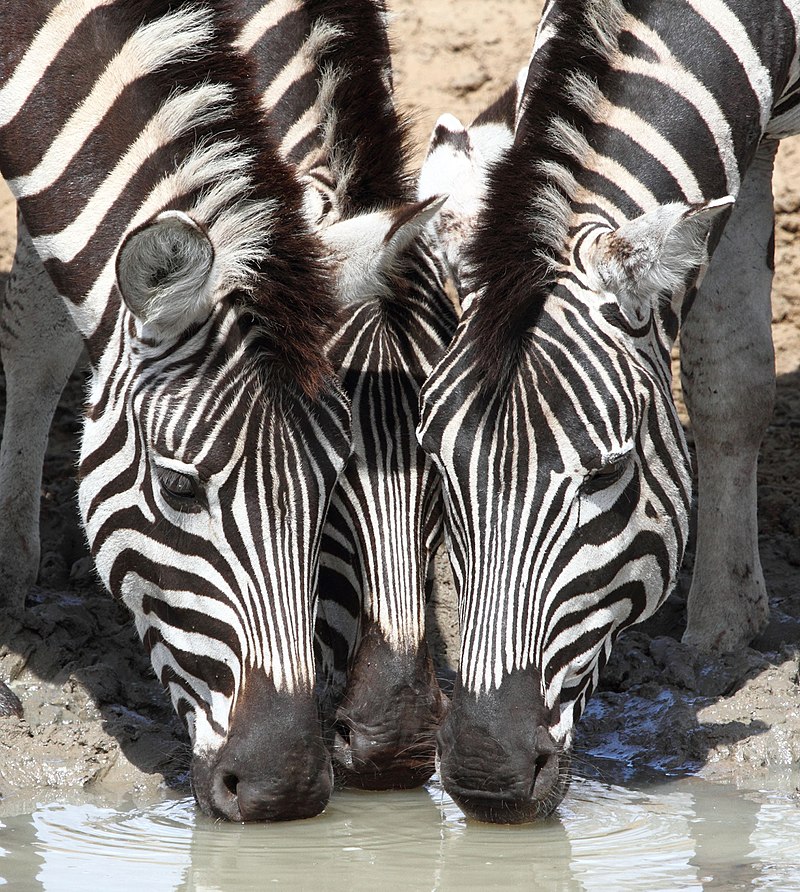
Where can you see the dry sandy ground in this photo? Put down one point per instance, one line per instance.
(95, 715)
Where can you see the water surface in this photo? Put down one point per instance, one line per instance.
(684, 834)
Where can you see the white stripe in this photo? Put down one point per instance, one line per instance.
(639, 131)
(301, 128)
(48, 43)
(733, 33)
(671, 73)
(267, 17)
(292, 71)
(622, 178)
(152, 47)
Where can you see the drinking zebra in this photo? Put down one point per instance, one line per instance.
(325, 76)
(566, 475)
(384, 523)
(215, 431)
(323, 72)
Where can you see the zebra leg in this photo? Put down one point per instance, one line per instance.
(40, 345)
(728, 373)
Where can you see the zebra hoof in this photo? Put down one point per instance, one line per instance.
(9, 702)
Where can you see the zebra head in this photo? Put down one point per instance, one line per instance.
(384, 524)
(205, 477)
(567, 489)
(214, 432)
(565, 471)
(385, 518)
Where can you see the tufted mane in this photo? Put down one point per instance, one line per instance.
(522, 231)
(148, 103)
(365, 137)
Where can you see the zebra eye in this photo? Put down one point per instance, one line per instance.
(181, 491)
(607, 474)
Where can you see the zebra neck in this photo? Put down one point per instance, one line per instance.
(283, 44)
(628, 107)
(111, 112)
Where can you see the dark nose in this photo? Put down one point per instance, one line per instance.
(292, 788)
(273, 766)
(386, 724)
(497, 758)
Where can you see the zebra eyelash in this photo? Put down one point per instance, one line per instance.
(607, 474)
(181, 491)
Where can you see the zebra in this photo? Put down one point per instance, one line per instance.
(644, 144)
(323, 69)
(385, 519)
(215, 429)
(323, 72)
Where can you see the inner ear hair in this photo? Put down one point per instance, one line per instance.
(656, 252)
(163, 272)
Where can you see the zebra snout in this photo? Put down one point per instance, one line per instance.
(497, 758)
(385, 727)
(242, 798)
(252, 779)
(273, 765)
(370, 760)
(504, 788)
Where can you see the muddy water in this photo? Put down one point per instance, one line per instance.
(686, 834)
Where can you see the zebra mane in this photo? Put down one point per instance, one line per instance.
(287, 289)
(502, 111)
(201, 147)
(522, 231)
(365, 138)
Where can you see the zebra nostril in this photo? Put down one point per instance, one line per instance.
(231, 783)
(545, 775)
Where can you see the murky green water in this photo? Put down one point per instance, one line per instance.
(679, 835)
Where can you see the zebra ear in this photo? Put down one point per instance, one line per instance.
(368, 246)
(449, 169)
(457, 165)
(654, 254)
(449, 160)
(164, 273)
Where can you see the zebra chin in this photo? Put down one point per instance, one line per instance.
(385, 726)
(498, 760)
(273, 765)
